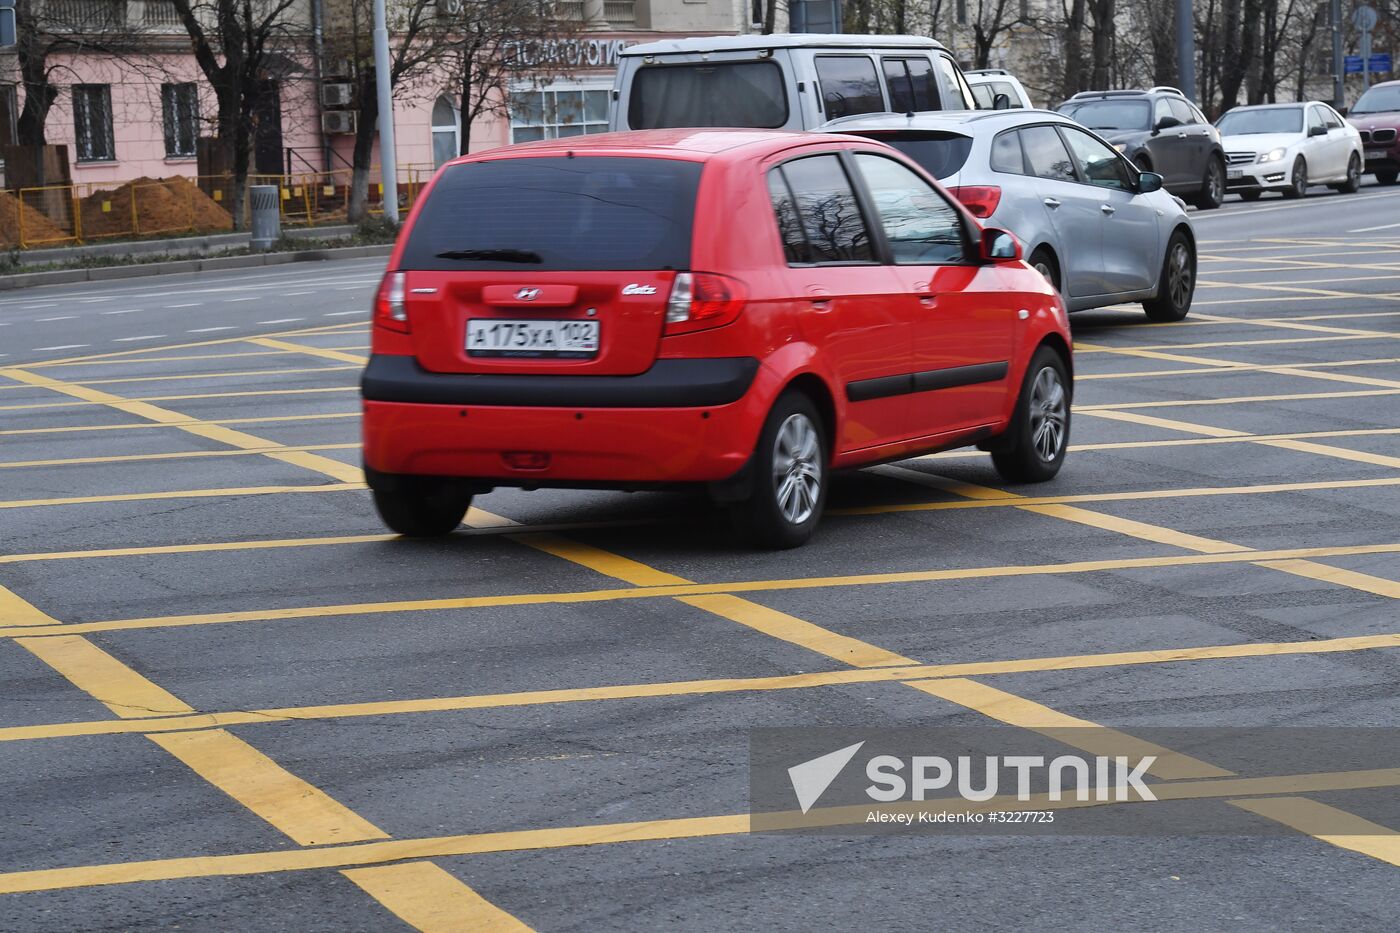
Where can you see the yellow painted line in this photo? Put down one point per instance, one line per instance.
(1340, 278)
(252, 393)
(222, 341)
(705, 589)
(1301, 325)
(431, 899)
(137, 425)
(186, 358)
(604, 562)
(18, 612)
(229, 375)
(1341, 453)
(1242, 343)
(1237, 400)
(1133, 529)
(1302, 370)
(1348, 578)
(1303, 290)
(103, 677)
(1127, 496)
(306, 814)
(1332, 826)
(1168, 423)
(180, 494)
(397, 850)
(194, 548)
(813, 680)
(310, 351)
(171, 455)
(796, 631)
(1071, 730)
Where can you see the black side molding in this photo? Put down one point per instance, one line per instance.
(687, 383)
(927, 381)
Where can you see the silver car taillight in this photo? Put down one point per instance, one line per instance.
(678, 305)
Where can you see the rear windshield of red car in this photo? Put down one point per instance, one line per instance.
(590, 213)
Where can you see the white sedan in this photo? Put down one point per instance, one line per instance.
(1287, 147)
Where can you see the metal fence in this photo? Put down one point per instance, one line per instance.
(59, 215)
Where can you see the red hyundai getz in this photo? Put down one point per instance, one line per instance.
(741, 310)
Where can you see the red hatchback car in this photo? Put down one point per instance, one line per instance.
(740, 310)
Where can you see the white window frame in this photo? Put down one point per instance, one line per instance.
(551, 129)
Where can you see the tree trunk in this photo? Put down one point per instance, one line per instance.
(981, 47)
(39, 95)
(770, 17)
(1103, 12)
(1074, 50)
(366, 119)
(464, 123)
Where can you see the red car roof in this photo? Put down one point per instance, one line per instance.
(686, 143)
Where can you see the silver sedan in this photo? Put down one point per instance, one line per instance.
(1102, 231)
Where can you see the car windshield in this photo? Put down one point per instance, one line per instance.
(557, 213)
(712, 94)
(939, 154)
(1110, 114)
(1379, 100)
(1242, 122)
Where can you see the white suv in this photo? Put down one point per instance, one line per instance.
(989, 83)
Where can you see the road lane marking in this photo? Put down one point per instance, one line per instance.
(258, 393)
(283, 320)
(218, 341)
(706, 589)
(1334, 827)
(193, 304)
(123, 311)
(143, 337)
(182, 494)
(635, 691)
(1340, 453)
(208, 330)
(192, 357)
(103, 677)
(697, 827)
(141, 425)
(1373, 229)
(310, 351)
(1078, 733)
(1238, 400)
(430, 898)
(185, 377)
(344, 313)
(796, 631)
(171, 455)
(303, 812)
(20, 612)
(1348, 578)
(66, 346)
(64, 317)
(1169, 424)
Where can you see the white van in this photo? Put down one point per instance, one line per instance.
(793, 81)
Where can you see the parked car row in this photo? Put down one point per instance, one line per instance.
(703, 299)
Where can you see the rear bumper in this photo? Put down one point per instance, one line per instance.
(683, 421)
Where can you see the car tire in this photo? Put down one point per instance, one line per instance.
(1177, 282)
(1352, 184)
(1298, 181)
(789, 476)
(1212, 192)
(422, 507)
(1142, 163)
(1251, 195)
(1387, 176)
(1044, 262)
(1034, 445)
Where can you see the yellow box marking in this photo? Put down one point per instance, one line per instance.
(307, 815)
(1351, 579)
(1167, 423)
(604, 562)
(431, 899)
(796, 631)
(1341, 453)
(183, 494)
(310, 351)
(1335, 827)
(15, 611)
(103, 677)
(1071, 730)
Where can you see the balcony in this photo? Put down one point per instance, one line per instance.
(110, 18)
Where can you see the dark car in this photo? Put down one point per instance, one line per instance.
(1160, 131)
(1377, 116)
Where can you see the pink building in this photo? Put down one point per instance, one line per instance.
(138, 113)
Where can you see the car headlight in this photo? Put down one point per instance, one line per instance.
(1273, 155)
(1121, 147)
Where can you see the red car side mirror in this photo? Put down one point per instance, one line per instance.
(1000, 246)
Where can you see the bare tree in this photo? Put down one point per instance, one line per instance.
(991, 20)
(47, 35)
(238, 44)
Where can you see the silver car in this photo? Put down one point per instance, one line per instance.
(1100, 230)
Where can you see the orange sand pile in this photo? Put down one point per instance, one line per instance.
(37, 226)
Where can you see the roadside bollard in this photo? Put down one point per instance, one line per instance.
(266, 216)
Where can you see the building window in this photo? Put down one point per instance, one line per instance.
(92, 122)
(446, 131)
(180, 103)
(819, 16)
(558, 110)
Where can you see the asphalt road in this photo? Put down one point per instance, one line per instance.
(231, 702)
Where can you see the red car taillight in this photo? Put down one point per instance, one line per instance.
(389, 308)
(981, 200)
(701, 300)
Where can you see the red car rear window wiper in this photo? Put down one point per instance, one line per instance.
(497, 255)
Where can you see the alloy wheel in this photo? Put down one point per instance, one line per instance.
(797, 468)
(1180, 275)
(1215, 184)
(1300, 179)
(1048, 414)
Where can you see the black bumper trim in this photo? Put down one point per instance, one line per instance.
(694, 383)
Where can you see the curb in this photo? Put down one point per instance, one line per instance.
(214, 263)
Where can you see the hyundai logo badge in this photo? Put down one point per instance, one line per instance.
(527, 294)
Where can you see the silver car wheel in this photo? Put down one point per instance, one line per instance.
(797, 468)
(1180, 275)
(1048, 414)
